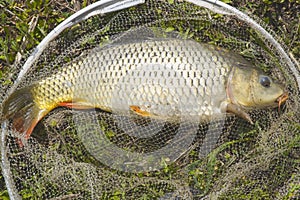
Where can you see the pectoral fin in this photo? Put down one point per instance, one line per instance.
(76, 105)
(235, 109)
(137, 110)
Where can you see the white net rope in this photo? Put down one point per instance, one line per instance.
(91, 154)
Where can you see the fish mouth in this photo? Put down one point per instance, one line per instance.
(281, 99)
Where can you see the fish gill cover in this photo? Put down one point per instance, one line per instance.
(105, 153)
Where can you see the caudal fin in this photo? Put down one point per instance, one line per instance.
(22, 111)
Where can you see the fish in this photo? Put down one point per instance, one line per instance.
(160, 78)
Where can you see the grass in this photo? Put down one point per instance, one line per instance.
(25, 23)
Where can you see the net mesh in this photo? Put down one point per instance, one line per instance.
(97, 155)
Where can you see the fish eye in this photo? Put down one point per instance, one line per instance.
(265, 81)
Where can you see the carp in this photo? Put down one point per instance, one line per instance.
(164, 78)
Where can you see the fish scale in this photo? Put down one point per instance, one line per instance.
(163, 78)
(174, 58)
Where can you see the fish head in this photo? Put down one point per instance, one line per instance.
(251, 88)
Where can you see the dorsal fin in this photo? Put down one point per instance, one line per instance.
(142, 34)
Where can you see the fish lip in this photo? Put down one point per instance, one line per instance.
(281, 99)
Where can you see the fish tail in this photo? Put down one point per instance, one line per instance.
(21, 109)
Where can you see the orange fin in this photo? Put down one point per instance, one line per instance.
(76, 105)
(239, 112)
(28, 125)
(23, 112)
(137, 110)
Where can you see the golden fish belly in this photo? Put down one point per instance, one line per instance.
(166, 78)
